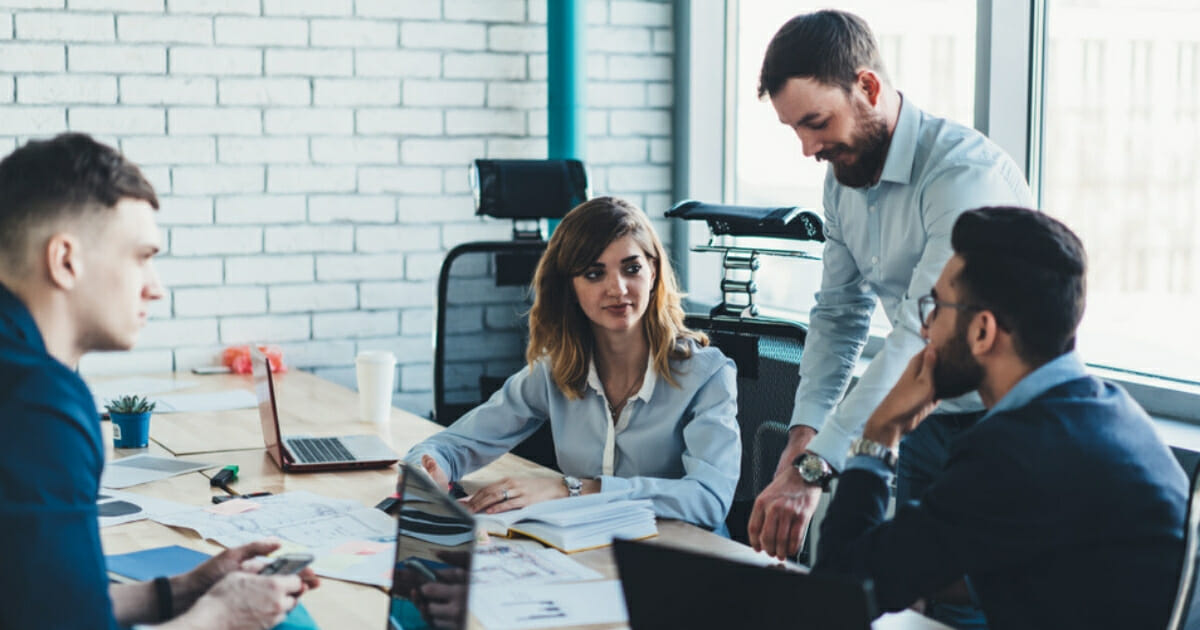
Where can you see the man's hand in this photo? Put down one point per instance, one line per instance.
(444, 603)
(244, 601)
(908, 403)
(190, 586)
(783, 509)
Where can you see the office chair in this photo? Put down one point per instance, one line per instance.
(766, 350)
(484, 295)
(1185, 614)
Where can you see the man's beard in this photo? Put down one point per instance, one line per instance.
(956, 371)
(870, 143)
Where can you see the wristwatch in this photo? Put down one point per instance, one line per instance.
(871, 448)
(814, 470)
(573, 484)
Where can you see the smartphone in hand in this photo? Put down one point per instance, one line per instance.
(287, 564)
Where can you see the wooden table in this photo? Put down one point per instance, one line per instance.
(310, 405)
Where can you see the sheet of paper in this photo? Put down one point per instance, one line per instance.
(304, 518)
(116, 507)
(206, 401)
(525, 562)
(108, 390)
(143, 468)
(503, 607)
(374, 569)
(361, 547)
(233, 506)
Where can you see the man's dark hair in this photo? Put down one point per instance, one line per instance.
(68, 176)
(828, 46)
(1029, 270)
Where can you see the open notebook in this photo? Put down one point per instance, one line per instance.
(576, 523)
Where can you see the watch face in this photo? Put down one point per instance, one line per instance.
(811, 468)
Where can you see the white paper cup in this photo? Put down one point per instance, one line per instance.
(376, 372)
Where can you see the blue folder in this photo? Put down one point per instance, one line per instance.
(151, 563)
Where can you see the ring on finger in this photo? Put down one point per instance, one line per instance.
(504, 496)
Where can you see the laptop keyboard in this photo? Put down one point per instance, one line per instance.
(320, 450)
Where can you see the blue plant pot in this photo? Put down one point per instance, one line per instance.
(130, 430)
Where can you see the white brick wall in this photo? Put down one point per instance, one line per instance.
(311, 155)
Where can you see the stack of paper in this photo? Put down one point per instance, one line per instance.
(576, 523)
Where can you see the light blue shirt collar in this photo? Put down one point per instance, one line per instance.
(898, 166)
(649, 381)
(1066, 367)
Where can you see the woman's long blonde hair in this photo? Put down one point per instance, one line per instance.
(558, 327)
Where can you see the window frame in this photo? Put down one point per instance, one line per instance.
(1009, 95)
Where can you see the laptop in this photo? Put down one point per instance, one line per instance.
(668, 587)
(435, 537)
(309, 454)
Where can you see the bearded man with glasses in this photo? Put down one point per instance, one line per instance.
(1061, 508)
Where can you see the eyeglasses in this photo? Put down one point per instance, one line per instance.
(927, 305)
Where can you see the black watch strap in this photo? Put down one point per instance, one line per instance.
(166, 601)
(814, 470)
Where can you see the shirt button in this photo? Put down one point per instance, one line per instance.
(874, 260)
(870, 208)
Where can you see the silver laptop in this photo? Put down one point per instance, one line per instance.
(311, 454)
(435, 537)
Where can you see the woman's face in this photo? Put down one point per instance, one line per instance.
(614, 290)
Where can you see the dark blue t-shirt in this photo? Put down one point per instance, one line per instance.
(51, 456)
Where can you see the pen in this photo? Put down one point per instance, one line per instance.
(220, 499)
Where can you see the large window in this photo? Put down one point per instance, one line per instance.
(1121, 166)
(931, 61)
(1100, 98)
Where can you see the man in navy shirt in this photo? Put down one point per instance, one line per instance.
(1061, 507)
(77, 239)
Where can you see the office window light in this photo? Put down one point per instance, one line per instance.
(1121, 166)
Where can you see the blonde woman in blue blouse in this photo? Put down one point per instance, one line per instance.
(636, 401)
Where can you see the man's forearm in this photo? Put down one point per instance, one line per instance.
(134, 603)
(138, 602)
(798, 438)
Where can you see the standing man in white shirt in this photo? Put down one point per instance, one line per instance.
(897, 180)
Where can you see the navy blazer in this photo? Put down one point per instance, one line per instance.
(1066, 512)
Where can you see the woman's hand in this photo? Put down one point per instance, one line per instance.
(435, 472)
(513, 493)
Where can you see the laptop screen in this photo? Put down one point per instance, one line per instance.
(674, 588)
(264, 390)
(435, 537)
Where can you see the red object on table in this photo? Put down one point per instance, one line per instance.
(237, 358)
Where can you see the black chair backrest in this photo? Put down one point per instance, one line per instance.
(529, 189)
(482, 329)
(767, 354)
(1185, 615)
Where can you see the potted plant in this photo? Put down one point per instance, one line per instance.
(130, 420)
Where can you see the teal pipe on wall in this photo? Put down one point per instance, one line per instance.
(566, 27)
